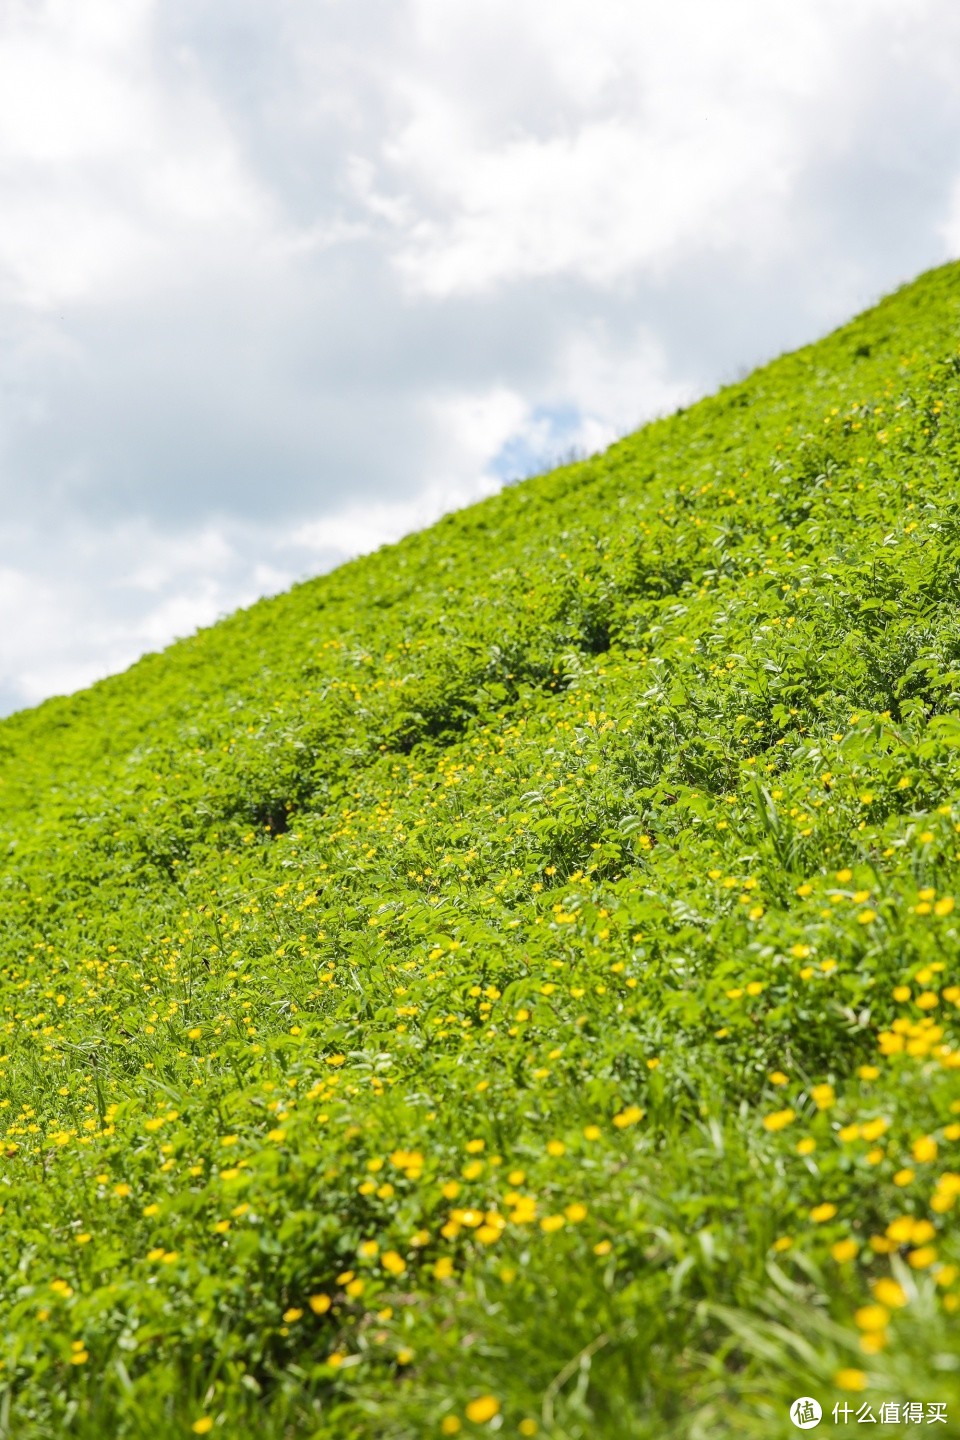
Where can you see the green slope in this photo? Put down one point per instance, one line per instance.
(511, 983)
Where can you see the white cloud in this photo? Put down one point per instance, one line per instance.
(950, 227)
(110, 173)
(616, 387)
(668, 131)
(69, 633)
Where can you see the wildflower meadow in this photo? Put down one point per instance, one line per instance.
(510, 985)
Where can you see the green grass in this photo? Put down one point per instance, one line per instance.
(397, 977)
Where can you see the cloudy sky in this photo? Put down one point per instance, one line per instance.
(283, 279)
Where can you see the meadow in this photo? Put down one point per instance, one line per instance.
(510, 985)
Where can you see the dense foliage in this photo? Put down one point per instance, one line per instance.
(512, 982)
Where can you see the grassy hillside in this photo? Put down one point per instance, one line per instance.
(512, 983)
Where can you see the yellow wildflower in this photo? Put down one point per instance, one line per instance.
(890, 1293)
(482, 1409)
(850, 1380)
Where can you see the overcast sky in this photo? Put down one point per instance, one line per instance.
(283, 279)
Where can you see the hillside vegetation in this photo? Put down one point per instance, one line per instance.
(511, 984)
